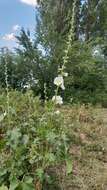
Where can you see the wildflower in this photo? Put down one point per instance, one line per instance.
(57, 112)
(62, 86)
(65, 74)
(27, 86)
(4, 113)
(57, 100)
(59, 81)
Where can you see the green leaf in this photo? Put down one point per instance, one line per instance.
(69, 166)
(13, 184)
(3, 187)
(3, 172)
(15, 133)
(50, 157)
(51, 136)
(26, 186)
(40, 173)
(13, 138)
(12, 111)
(28, 180)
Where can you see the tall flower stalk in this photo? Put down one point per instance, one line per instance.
(59, 80)
(7, 87)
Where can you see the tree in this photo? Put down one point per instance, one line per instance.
(7, 59)
(93, 18)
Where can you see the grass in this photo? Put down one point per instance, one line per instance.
(86, 129)
(88, 148)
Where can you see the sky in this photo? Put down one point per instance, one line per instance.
(15, 14)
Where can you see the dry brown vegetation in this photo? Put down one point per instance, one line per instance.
(87, 129)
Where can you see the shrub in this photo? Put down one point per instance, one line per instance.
(34, 139)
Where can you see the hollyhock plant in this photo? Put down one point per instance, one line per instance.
(57, 100)
(59, 81)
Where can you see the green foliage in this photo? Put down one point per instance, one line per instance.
(3, 187)
(35, 140)
(36, 62)
(86, 80)
(34, 137)
(53, 24)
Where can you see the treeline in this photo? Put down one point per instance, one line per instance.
(35, 63)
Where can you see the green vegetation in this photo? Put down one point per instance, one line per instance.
(44, 144)
(36, 61)
(33, 139)
(43, 147)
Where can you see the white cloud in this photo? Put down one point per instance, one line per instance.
(30, 2)
(9, 37)
(16, 27)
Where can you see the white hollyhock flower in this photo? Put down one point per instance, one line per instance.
(59, 81)
(57, 100)
(62, 86)
(65, 74)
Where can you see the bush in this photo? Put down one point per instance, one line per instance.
(33, 139)
(86, 80)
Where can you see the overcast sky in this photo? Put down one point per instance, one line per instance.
(15, 14)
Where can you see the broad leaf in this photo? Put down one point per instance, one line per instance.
(3, 187)
(13, 184)
(68, 166)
